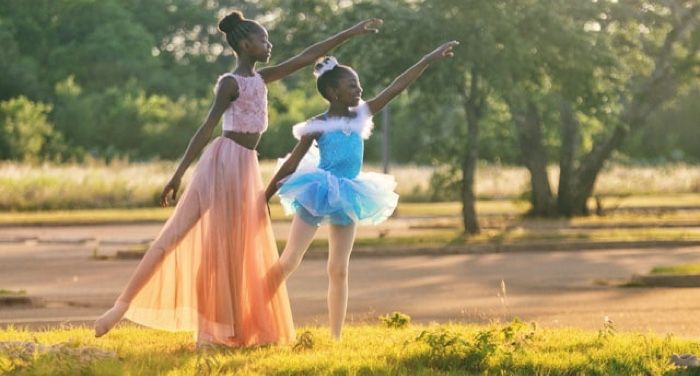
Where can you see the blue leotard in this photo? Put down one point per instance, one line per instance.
(333, 188)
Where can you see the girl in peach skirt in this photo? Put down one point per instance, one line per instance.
(213, 267)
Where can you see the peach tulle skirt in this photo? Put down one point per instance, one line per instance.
(217, 274)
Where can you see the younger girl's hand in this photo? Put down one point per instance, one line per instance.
(173, 186)
(442, 52)
(367, 26)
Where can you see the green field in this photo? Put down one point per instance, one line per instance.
(94, 185)
(446, 349)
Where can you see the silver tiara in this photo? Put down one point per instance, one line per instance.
(325, 65)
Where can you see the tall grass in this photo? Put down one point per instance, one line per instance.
(91, 185)
(120, 184)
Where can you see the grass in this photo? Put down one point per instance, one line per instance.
(120, 184)
(157, 214)
(86, 216)
(448, 238)
(681, 269)
(500, 212)
(5, 292)
(520, 236)
(445, 349)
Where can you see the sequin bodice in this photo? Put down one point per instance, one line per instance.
(341, 153)
(248, 112)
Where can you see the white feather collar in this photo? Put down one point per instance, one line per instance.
(361, 124)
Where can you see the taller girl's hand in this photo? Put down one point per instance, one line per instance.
(367, 26)
(173, 186)
(442, 52)
(313, 52)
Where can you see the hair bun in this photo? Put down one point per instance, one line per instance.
(324, 64)
(228, 23)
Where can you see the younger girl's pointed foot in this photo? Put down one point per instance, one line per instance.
(109, 319)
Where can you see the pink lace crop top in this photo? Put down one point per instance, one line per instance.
(248, 113)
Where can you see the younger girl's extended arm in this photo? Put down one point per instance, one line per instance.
(409, 76)
(310, 54)
(290, 165)
(226, 92)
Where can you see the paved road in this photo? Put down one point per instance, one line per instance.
(553, 288)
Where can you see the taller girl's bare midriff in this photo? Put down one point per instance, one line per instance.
(247, 140)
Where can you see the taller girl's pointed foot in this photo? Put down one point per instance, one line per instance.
(109, 319)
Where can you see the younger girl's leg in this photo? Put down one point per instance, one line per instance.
(186, 215)
(300, 236)
(340, 242)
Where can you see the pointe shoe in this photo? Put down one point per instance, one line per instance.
(106, 322)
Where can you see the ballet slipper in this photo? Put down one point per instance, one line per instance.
(109, 319)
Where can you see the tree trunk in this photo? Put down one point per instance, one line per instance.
(474, 108)
(529, 131)
(570, 133)
(651, 92)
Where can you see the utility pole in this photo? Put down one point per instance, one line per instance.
(385, 139)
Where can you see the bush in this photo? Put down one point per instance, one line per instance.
(25, 131)
(396, 320)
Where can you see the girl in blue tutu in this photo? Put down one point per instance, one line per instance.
(332, 189)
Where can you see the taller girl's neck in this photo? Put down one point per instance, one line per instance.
(245, 66)
(338, 110)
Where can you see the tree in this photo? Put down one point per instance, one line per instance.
(661, 40)
(25, 132)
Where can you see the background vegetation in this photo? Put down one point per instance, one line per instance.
(540, 84)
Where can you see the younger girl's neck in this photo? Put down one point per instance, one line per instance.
(245, 66)
(338, 110)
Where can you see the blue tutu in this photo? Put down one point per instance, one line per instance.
(328, 186)
(319, 196)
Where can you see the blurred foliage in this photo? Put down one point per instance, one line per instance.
(130, 78)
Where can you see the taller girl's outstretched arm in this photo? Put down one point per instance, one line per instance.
(409, 76)
(311, 53)
(226, 92)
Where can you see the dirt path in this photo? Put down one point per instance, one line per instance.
(553, 288)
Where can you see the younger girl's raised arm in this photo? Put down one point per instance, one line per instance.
(310, 54)
(409, 76)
